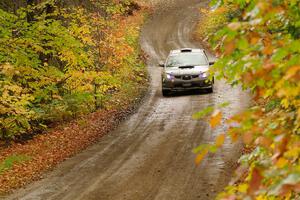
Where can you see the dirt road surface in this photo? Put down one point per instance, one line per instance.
(149, 157)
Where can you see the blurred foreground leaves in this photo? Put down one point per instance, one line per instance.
(259, 49)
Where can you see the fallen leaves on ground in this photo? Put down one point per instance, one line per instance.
(47, 150)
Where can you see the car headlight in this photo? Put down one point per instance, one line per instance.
(203, 75)
(170, 76)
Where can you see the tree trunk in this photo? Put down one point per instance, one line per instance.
(30, 14)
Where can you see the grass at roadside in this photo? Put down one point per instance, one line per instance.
(10, 161)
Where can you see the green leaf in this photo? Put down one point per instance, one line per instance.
(203, 113)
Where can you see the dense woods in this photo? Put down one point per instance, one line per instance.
(62, 59)
(258, 45)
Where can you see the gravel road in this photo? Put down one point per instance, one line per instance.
(149, 156)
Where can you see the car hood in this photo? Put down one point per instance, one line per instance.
(196, 70)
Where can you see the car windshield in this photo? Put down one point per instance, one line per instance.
(187, 59)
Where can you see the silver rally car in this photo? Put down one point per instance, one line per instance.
(186, 69)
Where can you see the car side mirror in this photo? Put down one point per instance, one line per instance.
(211, 63)
(161, 64)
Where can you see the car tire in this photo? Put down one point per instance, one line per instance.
(165, 93)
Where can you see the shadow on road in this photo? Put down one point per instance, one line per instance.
(188, 93)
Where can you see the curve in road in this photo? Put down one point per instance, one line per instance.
(149, 156)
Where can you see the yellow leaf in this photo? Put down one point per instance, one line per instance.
(203, 10)
(281, 162)
(261, 197)
(200, 156)
(288, 196)
(215, 119)
(243, 188)
(220, 140)
(285, 103)
(294, 152)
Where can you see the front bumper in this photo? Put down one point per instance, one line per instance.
(182, 85)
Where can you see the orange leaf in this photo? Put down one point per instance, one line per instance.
(220, 140)
(255, 182)
(292, 72)
(215, 119)
(229, 47)
(247, 77)
(248, 137)
(264, 141)
(231, 197)
(297, 187)
(234, 136)
(254, 40)
(268, 50)
(200, 156)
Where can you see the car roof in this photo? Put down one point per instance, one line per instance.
(186, 50)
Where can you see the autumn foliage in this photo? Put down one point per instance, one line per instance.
(60, 66)
(58, 62)
(259, 48)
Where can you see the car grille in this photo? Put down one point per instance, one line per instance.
(186, 77)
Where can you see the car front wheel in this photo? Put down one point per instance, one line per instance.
(165, 92)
